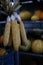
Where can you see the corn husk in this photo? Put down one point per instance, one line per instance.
(27, 46)
(16, 35)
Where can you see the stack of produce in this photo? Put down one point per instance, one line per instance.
(39, 14)
(27, 15)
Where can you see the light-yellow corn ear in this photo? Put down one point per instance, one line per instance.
(23, 33)
(6, 34)
(16, 35)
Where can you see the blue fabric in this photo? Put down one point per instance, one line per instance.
(16, 55)
(7, 59)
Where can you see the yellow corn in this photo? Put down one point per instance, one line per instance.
(23, 33)
(6, 34)
(16, 35)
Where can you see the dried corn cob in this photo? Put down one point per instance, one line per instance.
(23, 33)
(10, 38)
(16, 35)
(27, 46)
(6, 34)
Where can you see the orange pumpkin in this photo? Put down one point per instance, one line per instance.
(2, 51)
(1, 39)
(41, 15)
(37, 12)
